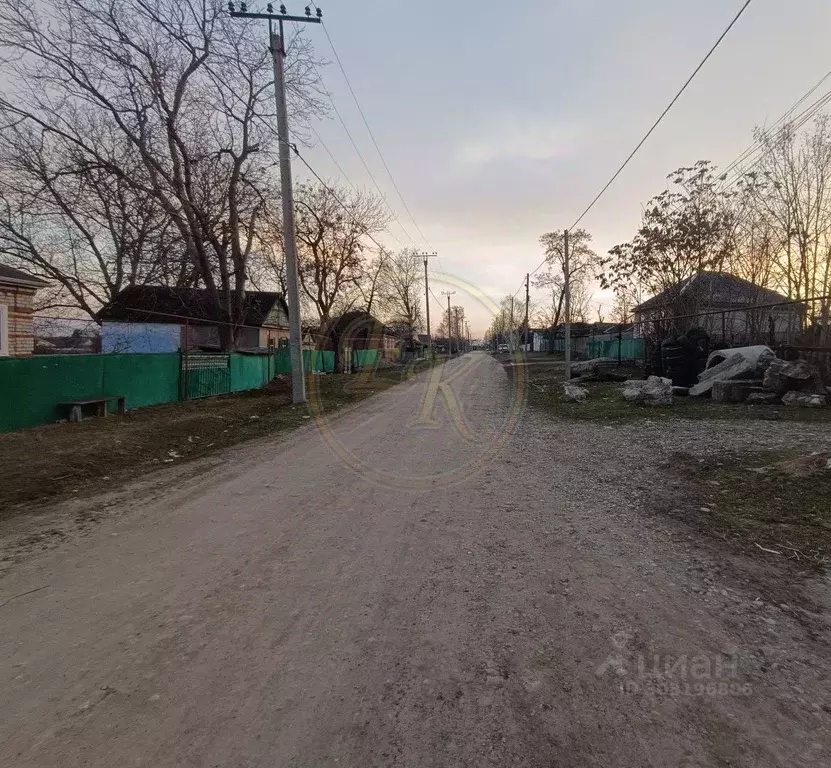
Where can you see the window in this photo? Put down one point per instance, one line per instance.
(4, 330)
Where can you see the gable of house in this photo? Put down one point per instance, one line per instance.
(712, 290)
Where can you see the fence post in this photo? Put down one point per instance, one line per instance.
(619, 345)
(185, 361)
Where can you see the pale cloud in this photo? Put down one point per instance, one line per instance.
(517, 138)
(498, 132)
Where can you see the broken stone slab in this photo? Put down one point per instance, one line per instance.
(760, 355)
(762, 398)
(735, 366)
(782, 376)
(681, 391)
(591, 366)
(574, 393)
(733, 390)
(654, 391)
(804, 399)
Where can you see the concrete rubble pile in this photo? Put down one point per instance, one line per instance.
(654, 391)
(574, 392)
(754, 375)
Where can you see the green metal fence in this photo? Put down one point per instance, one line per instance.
(32, 388)
(624, 349)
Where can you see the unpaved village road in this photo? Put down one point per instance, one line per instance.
(285, 609)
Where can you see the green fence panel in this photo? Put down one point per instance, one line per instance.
(31, 388)
(251, 371)
(630, 349)
(364, 358)
(314, 360)
(282, 361)
(143, 379)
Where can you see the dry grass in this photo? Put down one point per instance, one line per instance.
(605, 403)
(769, 506)
(64, 459)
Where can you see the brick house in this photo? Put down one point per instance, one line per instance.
(17, 294)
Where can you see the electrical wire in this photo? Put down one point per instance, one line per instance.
(759, 147)
(749, 151)
(372, 137)
(651, 129)
(663, 114)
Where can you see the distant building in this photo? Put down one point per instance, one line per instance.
(17, 295)
(153, 318)
(727, 307)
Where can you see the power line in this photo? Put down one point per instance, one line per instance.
(749, 151)
(349, 181)
(357, 151)
(372, 137)
(759, 146)
(661, 116)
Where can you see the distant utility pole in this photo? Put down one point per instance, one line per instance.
(426, 256)
(449, 322)
(527, 299)
(567, 291)
(511, 326)
(278, 53)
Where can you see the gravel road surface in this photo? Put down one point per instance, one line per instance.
(418, 584)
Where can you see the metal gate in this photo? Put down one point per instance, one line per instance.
(205, 375)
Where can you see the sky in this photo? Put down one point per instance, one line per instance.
(502, 120)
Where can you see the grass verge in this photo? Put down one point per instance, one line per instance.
(605, 403)
(771, 506)
(97, 454)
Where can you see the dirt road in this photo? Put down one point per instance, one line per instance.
(375, 594)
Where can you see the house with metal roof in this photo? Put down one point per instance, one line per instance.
(155, 318)
(727, 307)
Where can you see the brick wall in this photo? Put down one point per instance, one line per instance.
(19, 301)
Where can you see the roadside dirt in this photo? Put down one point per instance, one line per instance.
(100, 454)
(367, 594)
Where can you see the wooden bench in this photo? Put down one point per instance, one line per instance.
(100, 403)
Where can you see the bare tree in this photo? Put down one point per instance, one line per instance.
(583, 267)
(332, 227)
(683, 232)
(87, 230)
(627, 297)
(401, 290)
(793, 193)
(185, 88)
(369, 285)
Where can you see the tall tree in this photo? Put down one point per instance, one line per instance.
(185, 88)
(793, 194)
(332, 224)
(583, 268)
(684, 231)
(401, 291)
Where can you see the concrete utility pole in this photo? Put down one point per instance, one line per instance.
(278, 53)
(527, 299)
(567, 290)
(449, 322)
(426, 256)
(511, 327)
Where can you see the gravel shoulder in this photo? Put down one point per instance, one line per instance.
(374, 594)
